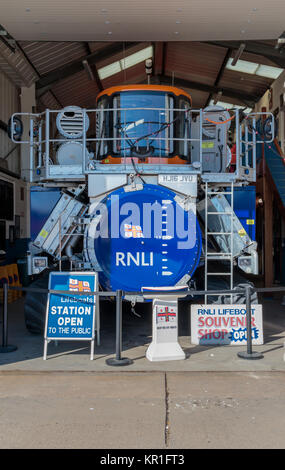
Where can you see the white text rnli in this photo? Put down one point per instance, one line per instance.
(137, 259)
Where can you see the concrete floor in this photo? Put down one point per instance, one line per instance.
(213, 399)
(189, 410)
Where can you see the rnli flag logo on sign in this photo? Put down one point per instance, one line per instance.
(79, 286)
(133, 231)
(166, 315)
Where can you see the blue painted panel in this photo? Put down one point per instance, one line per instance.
(277, 169)
(16, 250)
(244, 208)
(43, 201)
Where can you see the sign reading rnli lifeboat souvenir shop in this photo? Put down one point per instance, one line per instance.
(71, 316)
(225, 324)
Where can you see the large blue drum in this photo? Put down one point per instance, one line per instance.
(142, 238)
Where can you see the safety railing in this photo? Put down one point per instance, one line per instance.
(126, 134)
(119, 296)
(42, 143)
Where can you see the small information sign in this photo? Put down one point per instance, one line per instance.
(225, 324)
(71, 316)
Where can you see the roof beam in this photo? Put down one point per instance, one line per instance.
(277, 56)
(247, 99)
(93, 68)
(46, 81)
(220, 74)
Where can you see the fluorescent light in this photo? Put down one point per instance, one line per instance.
(123, 64)
(136, 58)
(253, 68)
(269, 71)
(242, 66)
(109, 70)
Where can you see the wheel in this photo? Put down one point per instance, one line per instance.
(35, 306)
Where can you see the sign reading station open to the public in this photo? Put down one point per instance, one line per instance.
(71, 316)
(225, 324)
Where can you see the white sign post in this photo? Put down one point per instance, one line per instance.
(164, 345)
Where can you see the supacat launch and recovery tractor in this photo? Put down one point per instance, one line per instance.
(145, 190)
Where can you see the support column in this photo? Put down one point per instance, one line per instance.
(28, 105)
(268, 232)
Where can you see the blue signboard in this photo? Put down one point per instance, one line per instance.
(71, 316)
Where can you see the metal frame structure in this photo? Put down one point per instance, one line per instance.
(41, 167)
(43, 170)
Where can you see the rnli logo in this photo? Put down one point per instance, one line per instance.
(133, 231)
(79, 286)
(131, 259)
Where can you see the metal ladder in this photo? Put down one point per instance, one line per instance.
(210, 256)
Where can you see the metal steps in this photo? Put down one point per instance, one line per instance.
(218, 256)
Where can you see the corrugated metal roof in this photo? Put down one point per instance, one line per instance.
(122, 54)
(48, 101)
(193, 61)
(96, 46)
(252, 84)
(199, 98)
(77, 90)
(48, 56)
(9, 100)
(16, 67)
(198, 62)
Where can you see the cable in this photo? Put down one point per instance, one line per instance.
(221, 122)
(136, 171)
(164, 126)
(152, 134)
